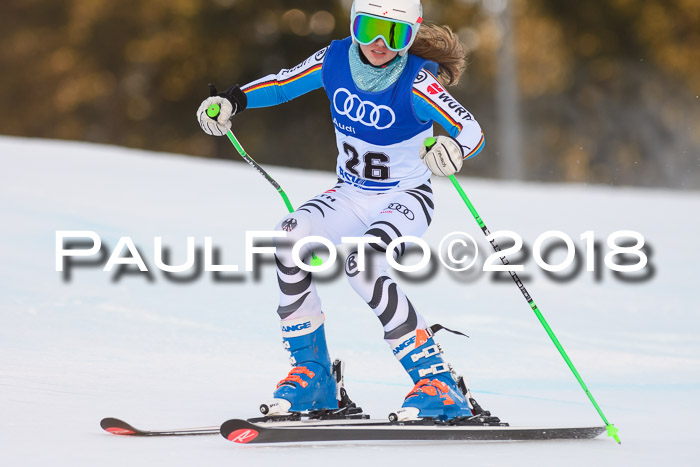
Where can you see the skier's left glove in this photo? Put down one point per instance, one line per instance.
(230, 102)
(442, 154)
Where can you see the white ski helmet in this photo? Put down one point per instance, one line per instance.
(364, 14)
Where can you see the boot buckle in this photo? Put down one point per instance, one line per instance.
(426, 353)
(433, 370)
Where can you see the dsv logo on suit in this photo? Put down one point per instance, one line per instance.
(368, 113)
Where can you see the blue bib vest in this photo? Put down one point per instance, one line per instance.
(378, 133)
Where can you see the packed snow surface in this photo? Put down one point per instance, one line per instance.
(161, 353)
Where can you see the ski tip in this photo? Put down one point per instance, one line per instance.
(117, 427)
(238, 431)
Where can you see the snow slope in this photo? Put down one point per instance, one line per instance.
(164, 354)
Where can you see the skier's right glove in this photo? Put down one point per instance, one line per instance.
(230, 102)
(443, 155)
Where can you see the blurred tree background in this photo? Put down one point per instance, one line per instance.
(601, 91)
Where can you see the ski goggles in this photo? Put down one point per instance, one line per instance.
(396, 34)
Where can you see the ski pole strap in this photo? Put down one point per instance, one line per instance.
(439, 327)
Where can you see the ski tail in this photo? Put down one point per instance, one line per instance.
(120, 427)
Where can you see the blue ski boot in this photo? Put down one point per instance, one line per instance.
(437, 393)
(310, 384)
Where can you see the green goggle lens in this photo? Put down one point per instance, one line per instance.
(367, 29)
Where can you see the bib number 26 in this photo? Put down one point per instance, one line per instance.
(375, 167)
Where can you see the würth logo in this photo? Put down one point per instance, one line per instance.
(243, 435)
(434, 89)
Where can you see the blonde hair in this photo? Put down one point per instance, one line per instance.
(441, 45)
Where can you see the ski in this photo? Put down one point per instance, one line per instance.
(120, 427)
(321, 417)
(245, 432)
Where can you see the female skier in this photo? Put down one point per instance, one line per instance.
(385, 86)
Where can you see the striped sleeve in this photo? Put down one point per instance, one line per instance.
(286, 85)
(432, 103)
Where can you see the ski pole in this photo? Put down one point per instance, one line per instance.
(213, 112)
(611, 429)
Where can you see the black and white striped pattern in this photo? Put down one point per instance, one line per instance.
(387, 232)
(296, 288)
(316, 204)
(424, 195)
(295, 285)
(342, 211)
(321, 203)
(389, 303)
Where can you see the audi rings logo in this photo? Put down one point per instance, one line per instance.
(368, 113)
(402, 209)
